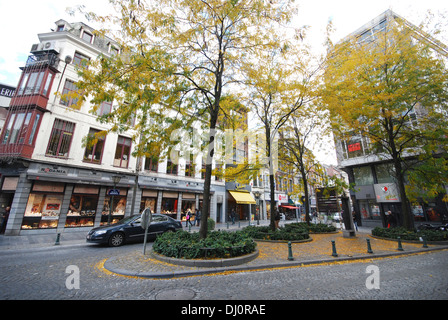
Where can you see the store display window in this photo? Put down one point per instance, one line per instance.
(82, 208)
(169, 204)
(44, 206)
(149, 200)
(118, 207)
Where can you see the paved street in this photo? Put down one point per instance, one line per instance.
(42, 274)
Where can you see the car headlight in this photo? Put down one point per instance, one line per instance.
(100, 232)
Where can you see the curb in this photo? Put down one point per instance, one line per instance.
(109, 265)
(211, 263)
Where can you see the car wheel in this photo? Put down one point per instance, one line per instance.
(116, 239)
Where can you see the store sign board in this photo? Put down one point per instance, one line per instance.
(113, 192)
(386, 192)
(354, 147)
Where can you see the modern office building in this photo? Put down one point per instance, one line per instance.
(376, 192)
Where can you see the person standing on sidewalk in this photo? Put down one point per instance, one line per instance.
(198, 217)
(4, 221)
(187, 218)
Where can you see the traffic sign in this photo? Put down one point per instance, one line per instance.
(146, 218)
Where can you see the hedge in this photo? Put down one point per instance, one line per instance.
(218, 244)
(282, 233)
(404, 234)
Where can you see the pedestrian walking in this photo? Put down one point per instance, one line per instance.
(4, 220)
(355, 223)
(187, 218)
(232, 215)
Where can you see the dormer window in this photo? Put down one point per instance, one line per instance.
(113, 50)
(60, 28)
(86, 36)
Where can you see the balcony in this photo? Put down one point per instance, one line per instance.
(35, 83)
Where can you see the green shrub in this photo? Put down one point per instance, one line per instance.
(218, 244)
(287, 233)
(318, 228)
(404, 234)
(210, 224)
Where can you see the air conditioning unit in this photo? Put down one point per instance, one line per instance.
(35, 47)
(49, 46)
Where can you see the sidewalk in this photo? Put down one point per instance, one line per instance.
(271, 255)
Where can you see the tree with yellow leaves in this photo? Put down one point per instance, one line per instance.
(392, 90)
(179, 59)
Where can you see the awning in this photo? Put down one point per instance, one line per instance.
(289, 207)
(242, 197)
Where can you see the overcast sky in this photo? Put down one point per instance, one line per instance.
(22, 20)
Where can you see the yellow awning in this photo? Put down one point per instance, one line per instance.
(242, 197)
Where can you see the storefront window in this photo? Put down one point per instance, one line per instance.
(369, 210)
(169, 203)
(188, 202)
(44, 206)
(82, 208)
(149, 200)
(118, 207)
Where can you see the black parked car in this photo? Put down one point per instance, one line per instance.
(129, 230)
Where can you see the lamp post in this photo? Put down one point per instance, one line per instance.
(116, 180)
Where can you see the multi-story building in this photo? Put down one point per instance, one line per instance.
(376, 191)
(55, 183)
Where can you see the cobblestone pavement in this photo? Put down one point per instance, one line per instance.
(42, 272)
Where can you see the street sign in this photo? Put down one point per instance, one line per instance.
(146, 218)
(114, 192)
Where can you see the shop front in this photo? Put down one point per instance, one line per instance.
(240, 203)
(83, 206)
(44, 206)
(62, 199)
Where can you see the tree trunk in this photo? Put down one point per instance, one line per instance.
(207, 182)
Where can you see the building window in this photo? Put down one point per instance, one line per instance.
(104, 108)
(43, 206)
(113, 50)
(69, 90)
(60, 139)
(18, 127)
(122, 152)
(171, 168)
(363, 176)
(80, 60)
(83, 205)
(151, 163)
(95, 146)
(190, 167)
(35, 82)
(86, 36)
